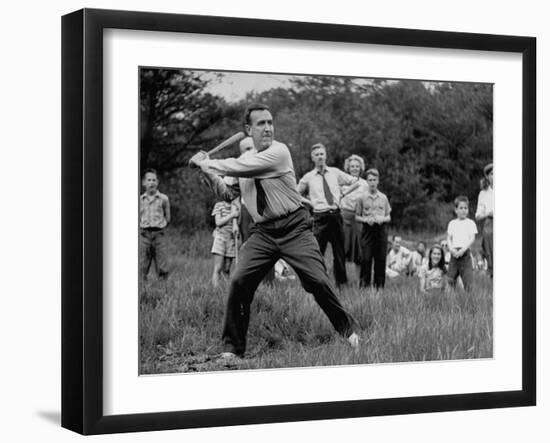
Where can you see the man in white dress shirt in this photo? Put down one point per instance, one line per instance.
(265, 179)
(322, 188)
(484, 215)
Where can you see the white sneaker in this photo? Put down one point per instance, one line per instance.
(228, 356)
(353, 340)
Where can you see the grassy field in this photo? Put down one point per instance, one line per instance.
(180, 321)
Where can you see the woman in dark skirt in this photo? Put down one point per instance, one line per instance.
(354, 165)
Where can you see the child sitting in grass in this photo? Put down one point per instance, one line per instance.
(432, 274)
(224, 244)
(418, 258)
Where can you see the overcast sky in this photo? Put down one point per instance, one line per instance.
(233, 86)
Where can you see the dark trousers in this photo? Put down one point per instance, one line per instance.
(329, 227)
(374, 243)
(462, 267)
(291, 239)
(152, 248)
(487, 244)
(246, 225)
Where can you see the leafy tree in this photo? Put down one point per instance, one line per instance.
(176, 115)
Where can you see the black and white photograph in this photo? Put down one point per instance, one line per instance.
(293, 221)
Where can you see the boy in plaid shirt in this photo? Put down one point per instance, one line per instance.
(154, 215)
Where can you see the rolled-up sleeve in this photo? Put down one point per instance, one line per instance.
(303, 185)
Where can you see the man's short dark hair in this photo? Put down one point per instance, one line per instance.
(151, 171)
(317, 146)
(461, 199)
(372, 171)
(251, 108)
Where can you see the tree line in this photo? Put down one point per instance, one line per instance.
(429, 140)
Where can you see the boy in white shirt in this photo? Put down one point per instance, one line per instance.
(461, 234)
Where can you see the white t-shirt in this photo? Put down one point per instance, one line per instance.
(461, 232)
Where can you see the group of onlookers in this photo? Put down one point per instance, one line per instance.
(349, 212)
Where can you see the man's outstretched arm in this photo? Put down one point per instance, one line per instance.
(226, 190)
(269, 163)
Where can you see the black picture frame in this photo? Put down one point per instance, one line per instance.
(82, 220)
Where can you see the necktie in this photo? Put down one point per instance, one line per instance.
(261, 200)
(326, 189)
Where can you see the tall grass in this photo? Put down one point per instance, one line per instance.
(181, 319)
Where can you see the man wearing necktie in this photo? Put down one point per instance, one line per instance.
(245, 220)
(266, 181)
(322, 189)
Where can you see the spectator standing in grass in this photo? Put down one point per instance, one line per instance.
(432, 273)
(461, 234)
(484, 215)
(225, 242)
(373, 211)
(154, 216)
(322, 189)
(282, 229)
(354, 166)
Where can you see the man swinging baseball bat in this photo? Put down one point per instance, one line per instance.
(266, 181)
(227, 142)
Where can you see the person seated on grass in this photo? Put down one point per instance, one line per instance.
(224, 244)
(432, 274)
(418, 258)
(398, 259)
(283, 271)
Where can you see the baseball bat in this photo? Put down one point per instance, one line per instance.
(227, 142)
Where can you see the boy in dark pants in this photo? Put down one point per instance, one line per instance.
(461, 234)
(154, 215)
(373, 211)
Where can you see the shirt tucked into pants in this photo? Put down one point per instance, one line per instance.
(290, 238)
